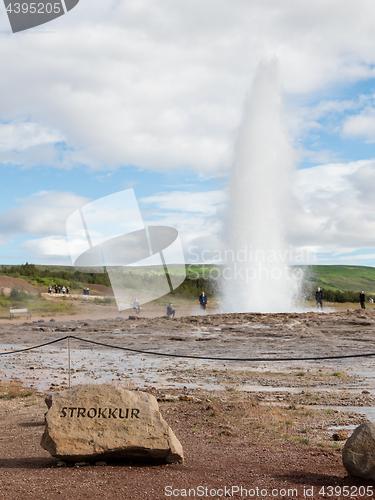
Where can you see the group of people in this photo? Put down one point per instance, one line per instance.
(58, 289)
(319, 299)
(202, 301)
(86, 291)
(171, 312)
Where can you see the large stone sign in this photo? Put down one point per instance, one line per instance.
(358, 455)
(102, 422)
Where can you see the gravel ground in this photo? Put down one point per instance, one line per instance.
(229, 440)
(255, 425)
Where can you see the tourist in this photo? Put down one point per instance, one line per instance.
(49, 289)
(87, 291)
(63, 289)
(170, 311)
(84, 291)
(319, 298)
(371, 300)
(136, 306)
(56, 290)
(362, 299)
(67, 290)
(59, 289)
(203, 301)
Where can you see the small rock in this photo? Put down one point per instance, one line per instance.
(358, 455)
(226, 432)
(168, 398)
(101, 464)
(183, 397)
(80, 464)
(60, 463)
(52, 320)
(132, 317)
(340, 435)
(366, 392)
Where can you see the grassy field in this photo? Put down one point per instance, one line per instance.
(35, 303)
(331, 278)
(343, 278)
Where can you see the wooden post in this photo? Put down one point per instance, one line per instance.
(69, 359)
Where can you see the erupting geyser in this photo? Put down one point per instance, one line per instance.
(258, 277)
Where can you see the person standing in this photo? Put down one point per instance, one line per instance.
(203, 301)
(319, 298)
(362, 299)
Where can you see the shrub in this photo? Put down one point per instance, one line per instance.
(18, 295)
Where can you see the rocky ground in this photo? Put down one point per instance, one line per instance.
(255, 424)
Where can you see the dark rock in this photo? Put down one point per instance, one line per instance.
(358, 455)
(340, 435)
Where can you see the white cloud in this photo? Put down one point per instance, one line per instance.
(41, 214)
(361, 125)
(20, 136)
(206, 202)
(42, 249)
(160, 84)
(335, 207)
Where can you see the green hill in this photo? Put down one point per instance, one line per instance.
(343, 278)
(334, 278)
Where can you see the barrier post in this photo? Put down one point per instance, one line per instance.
(69, 359)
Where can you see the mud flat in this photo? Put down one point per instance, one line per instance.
(237, 336)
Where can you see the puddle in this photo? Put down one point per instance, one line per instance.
(342, 427)
(368, 411)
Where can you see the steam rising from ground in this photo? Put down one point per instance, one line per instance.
(258, 277)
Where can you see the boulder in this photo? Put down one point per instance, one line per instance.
(358, 455)
(103, 422)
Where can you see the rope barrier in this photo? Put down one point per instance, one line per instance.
(34, 347)
(187, 356)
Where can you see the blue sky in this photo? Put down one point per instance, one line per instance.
(149, 95)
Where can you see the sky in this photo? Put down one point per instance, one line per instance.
(149, 95)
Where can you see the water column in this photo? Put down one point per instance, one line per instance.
(258, 276)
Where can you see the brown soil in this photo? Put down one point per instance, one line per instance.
(231, 437)
(228, 441)
(7, 283)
